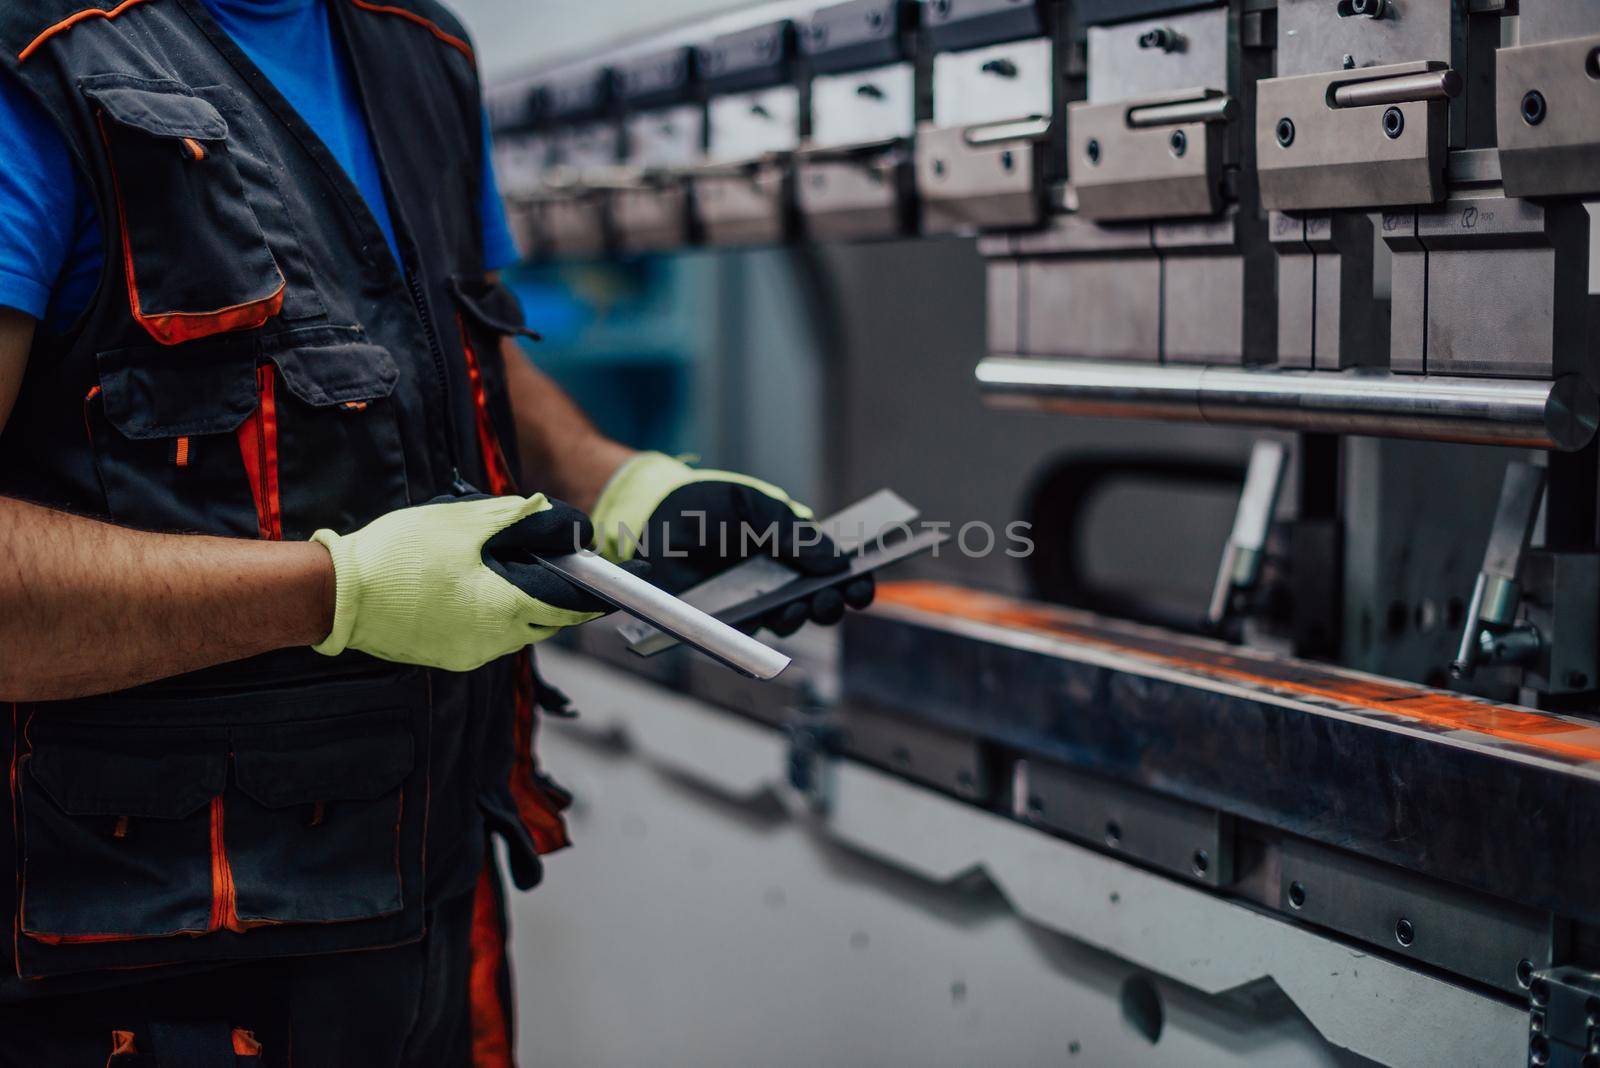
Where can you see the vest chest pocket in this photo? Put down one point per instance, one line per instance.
(194, 256)
(153, 844)
(254, 436)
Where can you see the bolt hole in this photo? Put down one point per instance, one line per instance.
(1179, 142)
(1539, 991)
(1394, 123)
(1297, 895)
(1534, 108)
(1113, 833)
(1592, 65)
(1007, 161)
(1404, 932)
(1200, 863)
(1092, 150)
(1524, 972)
(938, 168)
(1285, 132)
(1538, 1050)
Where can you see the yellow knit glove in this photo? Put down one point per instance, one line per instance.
(413, 587)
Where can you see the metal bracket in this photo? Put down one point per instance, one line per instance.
(1345, 139)
(1156, 156)
(1563, 1018)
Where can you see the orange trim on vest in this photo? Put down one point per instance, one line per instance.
(196, 150)
(71, 21)
(121, 1045)
(258, 445)
(245, 1044)
(174, 328)
(491, 1035)
(88, 425)
(495, 467)
(223, 912)
(180, 452)
(411, 16)
(538, 813)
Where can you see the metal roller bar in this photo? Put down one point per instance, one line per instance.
(1562, 414)
(1205, 109)
(1432, 85)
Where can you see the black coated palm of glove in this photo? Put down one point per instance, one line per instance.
(555, 532)
(699, 523)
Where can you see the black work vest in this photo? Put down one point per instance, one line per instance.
(256, 364)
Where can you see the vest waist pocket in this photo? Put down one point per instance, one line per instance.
(195, 259)
(295, 828)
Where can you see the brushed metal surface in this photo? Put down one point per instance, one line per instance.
(1562, 414)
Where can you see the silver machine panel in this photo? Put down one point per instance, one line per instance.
(742, 193)
(650, 207)
(1547, 109)
(1161, 206)
(570, 213)
(756, 118)
(980, 161)
(1360, 116)
(864, 107)
(853, 180)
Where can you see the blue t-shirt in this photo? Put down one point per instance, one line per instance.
(51, 251)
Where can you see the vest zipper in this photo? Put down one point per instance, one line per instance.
(458, 485)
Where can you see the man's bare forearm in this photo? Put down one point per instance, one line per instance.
(87, 607)
(563, 454)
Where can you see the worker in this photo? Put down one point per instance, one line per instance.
(268, 442)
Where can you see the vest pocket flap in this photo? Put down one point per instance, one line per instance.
(99, 770)
(169, 111)
(360, 757)
(489, 306)
(347, 372)
(167, 392)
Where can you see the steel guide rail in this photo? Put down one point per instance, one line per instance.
(1562, 414)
